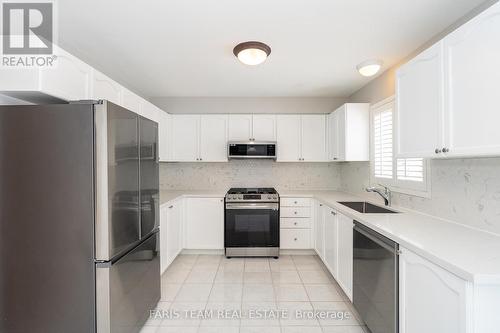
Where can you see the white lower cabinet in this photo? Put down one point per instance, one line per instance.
(345, 252)
(333, 243)
(319, 230)
(331, 232)
(295, 238)
(295, 223)
(171, 215)
(295, 211)
(204, 223)
(432, 300)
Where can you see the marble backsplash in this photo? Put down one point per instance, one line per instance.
(466, 191)
(249, 173)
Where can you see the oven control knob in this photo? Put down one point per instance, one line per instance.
(269, 197)
(240, 197)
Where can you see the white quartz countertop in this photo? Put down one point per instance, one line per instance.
(471, 254)
(166, 195)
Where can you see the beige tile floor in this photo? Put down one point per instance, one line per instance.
(209, 293)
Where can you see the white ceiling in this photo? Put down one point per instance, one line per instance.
(184, 47)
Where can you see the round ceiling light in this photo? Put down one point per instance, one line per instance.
(369, 67)
(252, 53)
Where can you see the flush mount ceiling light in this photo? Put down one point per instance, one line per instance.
(252, 53)
(369, 67)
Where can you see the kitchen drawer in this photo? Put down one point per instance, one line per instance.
(295, 222)
(295, 211)
(295, 202)
(295, 238)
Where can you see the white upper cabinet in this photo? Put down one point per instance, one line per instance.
(301, 138)
(164, 136)
(288, 138)
(150, 111)
(419, 104)
(349, 133)
(69, 79)
(472, 57)
(334, 137)
(185, 137)
(213, 137)
(313, 138)
(449, 93)
(264, 127)
(131, 101)
(199, 138)
(102, 87)
(247, 127)
(240, 127)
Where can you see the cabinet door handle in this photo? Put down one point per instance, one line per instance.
(295, 239)
(333, 213)
(295, 223)
(445, 150)
(170, 207)
(295, 213)
(437, 151)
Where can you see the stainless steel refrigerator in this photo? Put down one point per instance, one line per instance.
(79, 213)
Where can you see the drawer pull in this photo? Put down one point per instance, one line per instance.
(295, 213)
(295, 202)
(170, 207)
(295, 239)
(295, 223)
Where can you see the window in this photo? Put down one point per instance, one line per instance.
(405, 175)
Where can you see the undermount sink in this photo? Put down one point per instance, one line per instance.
(366, 207)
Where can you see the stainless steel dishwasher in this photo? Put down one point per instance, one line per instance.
(375, 279)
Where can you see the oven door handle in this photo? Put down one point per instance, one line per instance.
(272, 206)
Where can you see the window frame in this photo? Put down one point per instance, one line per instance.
(420, 189)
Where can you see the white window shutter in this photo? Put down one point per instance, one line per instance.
(411, 169)
(401, 174)
(382, 140)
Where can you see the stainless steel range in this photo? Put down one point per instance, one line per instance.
(251, 223)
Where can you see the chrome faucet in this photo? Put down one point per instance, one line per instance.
(384, 193)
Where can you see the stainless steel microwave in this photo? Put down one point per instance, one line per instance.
(251, 149)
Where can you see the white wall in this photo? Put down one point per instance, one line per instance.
(249, 173)
(248, 104)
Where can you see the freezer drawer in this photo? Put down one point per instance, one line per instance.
(126, 290)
